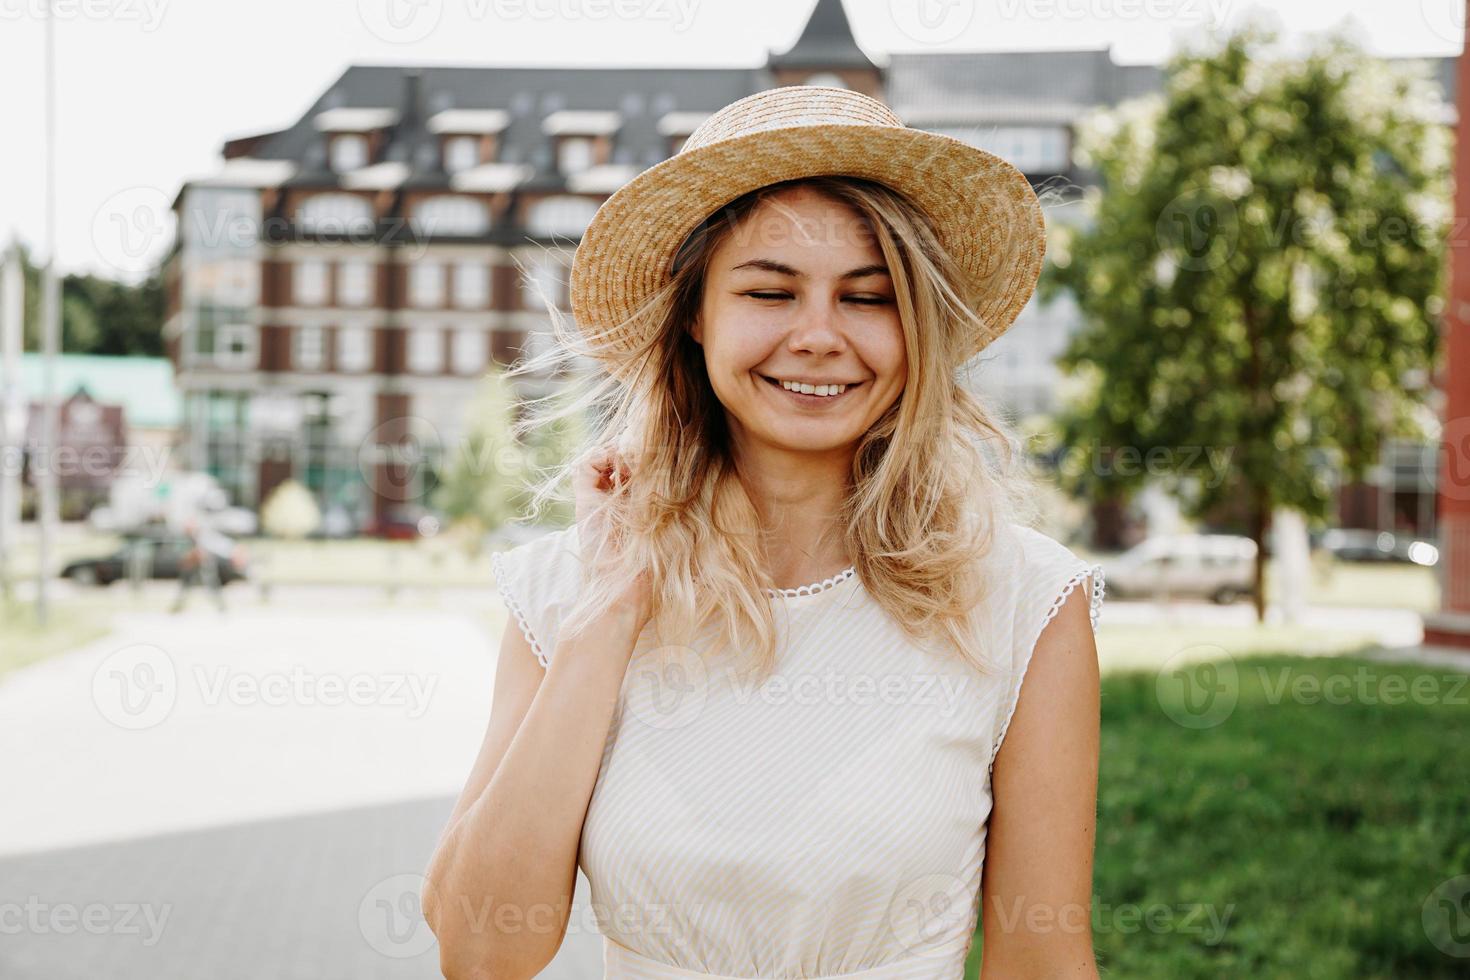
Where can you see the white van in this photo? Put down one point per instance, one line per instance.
(1220, 567)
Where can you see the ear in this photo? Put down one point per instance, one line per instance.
(696, 330)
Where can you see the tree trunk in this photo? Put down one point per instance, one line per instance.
(1260, 523)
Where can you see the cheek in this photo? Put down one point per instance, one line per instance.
(884, 354)
(736, 352)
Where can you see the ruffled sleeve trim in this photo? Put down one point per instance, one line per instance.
(507, 590)
(1094, 572)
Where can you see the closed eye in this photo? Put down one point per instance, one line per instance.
(862, 300)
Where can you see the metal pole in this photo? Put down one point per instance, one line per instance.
(51, 332)
(12, 408)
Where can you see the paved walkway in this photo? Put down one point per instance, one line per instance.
(250, 795)
(332, 896)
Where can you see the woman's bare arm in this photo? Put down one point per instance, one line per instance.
(1037, 886)
(499, 886)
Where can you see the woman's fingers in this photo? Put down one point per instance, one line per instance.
(601, 470)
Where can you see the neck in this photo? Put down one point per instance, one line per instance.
(799, 498)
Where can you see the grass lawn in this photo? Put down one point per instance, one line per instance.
(1303, 833)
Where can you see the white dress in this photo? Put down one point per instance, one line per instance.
(830, 821)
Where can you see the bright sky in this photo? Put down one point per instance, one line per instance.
(148, 89)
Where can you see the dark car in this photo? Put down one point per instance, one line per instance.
(162, 556)
(1360, 544)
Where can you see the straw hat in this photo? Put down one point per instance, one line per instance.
(984, 209)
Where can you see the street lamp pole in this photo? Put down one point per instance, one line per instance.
(51, 335)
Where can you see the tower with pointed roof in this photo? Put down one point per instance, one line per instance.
(827, 54)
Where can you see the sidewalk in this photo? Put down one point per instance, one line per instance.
(248, 795)
(326, 897)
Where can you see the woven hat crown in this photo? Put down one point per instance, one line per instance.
(802, 105)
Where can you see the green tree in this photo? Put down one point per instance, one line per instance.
(485, 476)
(98, 316)
(1261, 277)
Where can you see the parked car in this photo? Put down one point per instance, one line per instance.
(162, 552)
(1220, 567)
(1362, 544)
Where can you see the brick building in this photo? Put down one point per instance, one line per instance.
(341, 284)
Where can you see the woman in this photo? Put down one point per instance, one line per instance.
(766, 689)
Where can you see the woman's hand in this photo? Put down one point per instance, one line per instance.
(596, 475)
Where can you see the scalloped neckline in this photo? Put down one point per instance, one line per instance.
(814, 588)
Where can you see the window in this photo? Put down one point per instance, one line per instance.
(308, 351)
(426, 285)
(561, 215)
(335, 213)
(425, 350)
(450, 214)
(309, 282)
(461, 153)
(235, 345)
(354, 349)
(354, 282)
(574, 154)
(348, 151)
(471, 285)
(1033, 149)
(470, 347)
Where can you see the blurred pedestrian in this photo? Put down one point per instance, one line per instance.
(200, 563)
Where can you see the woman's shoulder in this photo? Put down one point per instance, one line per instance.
(1042, 571)
(538, 580)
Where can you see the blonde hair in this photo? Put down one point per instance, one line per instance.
(931, 480)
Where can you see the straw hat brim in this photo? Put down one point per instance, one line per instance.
(984, 209)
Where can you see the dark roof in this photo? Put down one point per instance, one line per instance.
(641, 95)
(942, 87)
(1035, 86)
(826, 42)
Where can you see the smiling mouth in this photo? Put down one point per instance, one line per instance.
(804, 399)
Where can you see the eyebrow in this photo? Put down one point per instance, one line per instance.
(771, 265)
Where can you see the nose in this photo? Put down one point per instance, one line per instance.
(816, 328)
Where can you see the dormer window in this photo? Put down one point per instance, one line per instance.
(676, 127)
(350, 132)
(468, 137)
(826, 78)
(582, 138)
(574, 154)
(348, 151)
(461, 153)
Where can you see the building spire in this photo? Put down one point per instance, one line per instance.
(826, 42)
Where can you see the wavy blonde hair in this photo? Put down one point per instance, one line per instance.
(931, 480)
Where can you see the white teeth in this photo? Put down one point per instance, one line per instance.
(806, 389)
